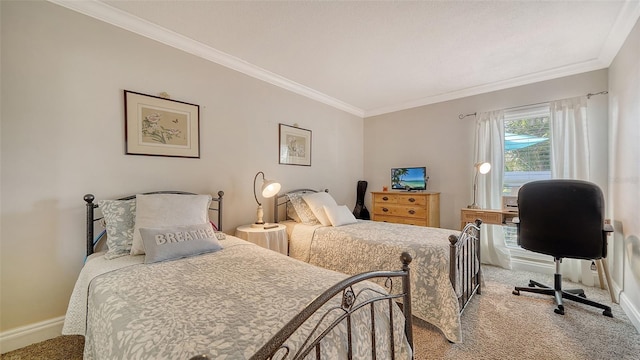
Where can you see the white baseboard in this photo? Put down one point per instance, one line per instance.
(30, 334)
(632, 312)
(532, 266)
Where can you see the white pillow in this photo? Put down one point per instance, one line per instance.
(161, 210)
(316, 202)
(340, 215)
(174, 242)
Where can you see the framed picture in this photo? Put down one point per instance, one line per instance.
(157, 126)
(295, 145)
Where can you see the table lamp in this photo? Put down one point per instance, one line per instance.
(269, 189)
(481, 168)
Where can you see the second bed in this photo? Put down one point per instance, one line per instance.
(445, 270)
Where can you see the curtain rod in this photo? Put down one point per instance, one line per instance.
(589, 95)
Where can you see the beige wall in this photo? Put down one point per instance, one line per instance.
(63, 76)
(62, 136)
(434, 136)
(624, 161)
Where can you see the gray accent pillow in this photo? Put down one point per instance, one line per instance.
(302, 209)
(160, 210)
(174, 242)
(292, 214)
(119, 217)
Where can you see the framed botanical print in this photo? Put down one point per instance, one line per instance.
(294, 145)
(157, 126)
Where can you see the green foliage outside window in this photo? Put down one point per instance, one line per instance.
(535, 157)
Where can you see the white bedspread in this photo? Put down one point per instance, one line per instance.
(225, 304)
(369, 245)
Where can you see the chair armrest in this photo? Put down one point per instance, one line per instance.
(607, 228)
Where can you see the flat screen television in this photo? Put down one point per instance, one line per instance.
(409, 178)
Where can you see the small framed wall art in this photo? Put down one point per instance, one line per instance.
(294, 145)
(157, 126)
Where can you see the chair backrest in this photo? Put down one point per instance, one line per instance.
(562, 218)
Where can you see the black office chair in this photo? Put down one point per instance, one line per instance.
(564, 219)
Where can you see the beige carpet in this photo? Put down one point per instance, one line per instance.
(497, 325)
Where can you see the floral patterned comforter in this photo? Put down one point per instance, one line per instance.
(225, 304)
(370, 245)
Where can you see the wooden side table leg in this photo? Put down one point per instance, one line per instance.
(600, 277)
(603, 266)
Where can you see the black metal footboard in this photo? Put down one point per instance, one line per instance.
(465, 271)
(277, 347)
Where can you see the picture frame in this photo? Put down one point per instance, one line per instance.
(156, 126)
(294, 145)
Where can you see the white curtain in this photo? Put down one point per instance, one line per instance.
(570, 160)
(489, 147)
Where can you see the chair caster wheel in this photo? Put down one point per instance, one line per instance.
(559, 311)
(515, 292)
(607, 313)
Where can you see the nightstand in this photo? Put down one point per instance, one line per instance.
(274, 239)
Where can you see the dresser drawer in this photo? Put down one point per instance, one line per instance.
(400, 220)
(385, 209)
(400, 210)
(486, 217)
(386, 218)
(410, 211)
(412, 200)
(385, 198)
(417, 222)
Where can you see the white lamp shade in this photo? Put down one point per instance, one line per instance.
(270, 188)
(484, 168)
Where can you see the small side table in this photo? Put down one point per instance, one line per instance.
(273, 239)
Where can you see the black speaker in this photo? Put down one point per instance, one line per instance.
(360, 211)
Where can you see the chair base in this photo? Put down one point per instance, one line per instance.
(559, 294)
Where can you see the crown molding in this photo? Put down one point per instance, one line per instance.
(116, 17)
(494, 86)
(627, 18)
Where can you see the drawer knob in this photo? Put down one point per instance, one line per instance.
(385, 209)
(412, 200)
(385, 198)
(412, 212)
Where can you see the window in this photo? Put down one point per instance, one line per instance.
(527, 152)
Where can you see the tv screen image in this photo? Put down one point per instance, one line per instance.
(410, 178)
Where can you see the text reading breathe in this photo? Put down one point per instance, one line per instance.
(179, 236)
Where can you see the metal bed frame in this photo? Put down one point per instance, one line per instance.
(350, 302)
(91, 219)
(465, 272)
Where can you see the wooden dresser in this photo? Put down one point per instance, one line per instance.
(414, 208)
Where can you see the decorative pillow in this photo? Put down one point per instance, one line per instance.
(316, 202)
(162, 210)
(119, 217)
(302, 209)
(339, 215)
(292, 214)
(174, 242)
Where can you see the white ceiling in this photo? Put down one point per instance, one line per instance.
(370, 58)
